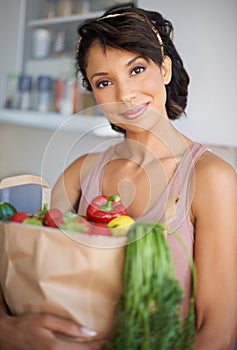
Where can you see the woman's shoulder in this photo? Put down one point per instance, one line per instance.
(211, 167)
(82, 164)
(67, 189)
(85, 162)
(215, 187)
(215, 179)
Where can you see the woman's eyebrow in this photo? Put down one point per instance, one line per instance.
(100, 74)
(134, 60)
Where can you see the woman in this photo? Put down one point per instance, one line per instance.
(127, 58)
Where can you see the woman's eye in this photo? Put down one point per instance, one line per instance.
(137, 70)
(103, 83)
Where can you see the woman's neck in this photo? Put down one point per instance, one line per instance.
(163, 141)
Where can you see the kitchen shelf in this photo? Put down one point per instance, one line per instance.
(63, 19)
(97, 125)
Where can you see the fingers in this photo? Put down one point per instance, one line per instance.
(66, 327)
(42, 332)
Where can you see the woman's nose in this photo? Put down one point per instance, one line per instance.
(126, 92)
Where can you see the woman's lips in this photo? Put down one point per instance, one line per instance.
(134, 112)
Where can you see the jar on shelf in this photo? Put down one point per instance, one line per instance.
(64, 8)
(41, 43)
(50, 9)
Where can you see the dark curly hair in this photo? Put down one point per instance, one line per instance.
(140, 31)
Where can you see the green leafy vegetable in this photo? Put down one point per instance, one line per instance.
(41, 213)
(150, 306)
(74, 222)
(33, 221)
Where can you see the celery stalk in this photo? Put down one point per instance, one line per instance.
(149, 316)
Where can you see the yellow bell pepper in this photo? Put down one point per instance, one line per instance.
(120, 225)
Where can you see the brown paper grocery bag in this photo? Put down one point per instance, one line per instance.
(72, 275)
(77, 276)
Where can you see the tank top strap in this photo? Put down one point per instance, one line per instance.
(186, 167)
(178, 187)
(182, 185)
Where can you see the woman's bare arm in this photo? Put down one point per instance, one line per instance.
(215, 209)
(67, 190)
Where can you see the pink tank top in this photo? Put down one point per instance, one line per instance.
(179, 186)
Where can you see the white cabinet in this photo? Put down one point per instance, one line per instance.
(20, 19)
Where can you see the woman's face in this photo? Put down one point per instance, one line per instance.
(127, 79)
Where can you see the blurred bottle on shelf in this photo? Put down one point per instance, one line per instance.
(24, 92)
(45, 94)
(50, 8)
(59, 43)
(11, 90)
(59, 92)
(67, 96)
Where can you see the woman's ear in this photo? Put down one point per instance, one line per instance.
(166, 69)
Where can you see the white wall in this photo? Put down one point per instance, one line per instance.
(205, 36)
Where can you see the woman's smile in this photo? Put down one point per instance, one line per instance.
(135, 112)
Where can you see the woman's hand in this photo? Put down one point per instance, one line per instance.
(38, 332)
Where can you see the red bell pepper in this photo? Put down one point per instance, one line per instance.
(103, 209)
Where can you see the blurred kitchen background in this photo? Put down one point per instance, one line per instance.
(39, 95)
